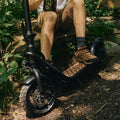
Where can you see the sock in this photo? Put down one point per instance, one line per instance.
(80, 42)
(48, 61)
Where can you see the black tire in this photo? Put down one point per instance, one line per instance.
(35, 103)
(98, 49)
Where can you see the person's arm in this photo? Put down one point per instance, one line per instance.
(34, 4)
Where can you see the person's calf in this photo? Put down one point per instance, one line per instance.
(47, 23)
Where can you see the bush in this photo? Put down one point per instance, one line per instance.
(7, 27)
(94, 8)
(10, 14)
(10, 72)
(116, 13)
(99, 28)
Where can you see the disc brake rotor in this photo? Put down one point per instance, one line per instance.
(41, 100)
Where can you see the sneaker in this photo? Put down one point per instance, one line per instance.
(74, 69)
(84, 55)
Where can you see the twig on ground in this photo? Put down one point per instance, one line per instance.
(100, 108)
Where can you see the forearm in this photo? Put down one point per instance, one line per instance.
(34, 4)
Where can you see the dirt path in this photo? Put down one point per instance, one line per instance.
(98, 100)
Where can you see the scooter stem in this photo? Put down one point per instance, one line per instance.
(29, 34)
(29, 37)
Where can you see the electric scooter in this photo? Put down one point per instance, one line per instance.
(38, 91)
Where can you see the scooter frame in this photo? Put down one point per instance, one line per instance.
(37, 60)
(41, 68)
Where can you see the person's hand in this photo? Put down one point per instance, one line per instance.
(34, 4)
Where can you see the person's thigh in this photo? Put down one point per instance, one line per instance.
(65, 18)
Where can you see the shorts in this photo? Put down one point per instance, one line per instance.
(66, 26)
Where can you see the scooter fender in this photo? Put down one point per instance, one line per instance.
(93, 46)
(30, 80)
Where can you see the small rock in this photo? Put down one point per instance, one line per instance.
(72, 105)
(116, 104)
(111, 48)
(109, 75)
(107, 89)
(116, 66)
(73, 111)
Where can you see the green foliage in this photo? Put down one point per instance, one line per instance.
(10, 71)
(15, 7)
(7, 25)
(99, 28)
(94, 8)
(11, 65)
(10, 14)
(6, 93)
(7, 71)
(116, 13)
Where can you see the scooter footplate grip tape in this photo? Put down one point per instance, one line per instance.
(73, 69)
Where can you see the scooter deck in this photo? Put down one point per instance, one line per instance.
(71, 71)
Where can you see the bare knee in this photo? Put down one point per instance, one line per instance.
(47, 18)
(50, 18)
(79, 3)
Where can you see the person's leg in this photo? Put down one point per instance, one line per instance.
(75, 10)
(47, 21)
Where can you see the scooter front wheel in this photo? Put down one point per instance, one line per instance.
(36, 103)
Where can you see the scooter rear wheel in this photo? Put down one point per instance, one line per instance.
(97, 48)
(36, 103)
